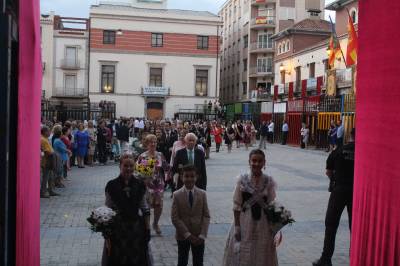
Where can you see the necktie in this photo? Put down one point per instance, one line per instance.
(191, 199)
(190, 156)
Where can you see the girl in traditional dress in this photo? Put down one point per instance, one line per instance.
(251, 240)
(128, 245)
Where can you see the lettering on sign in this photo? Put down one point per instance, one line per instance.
(155, 91)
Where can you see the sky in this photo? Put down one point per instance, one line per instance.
(80, 8)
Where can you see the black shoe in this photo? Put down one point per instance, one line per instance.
(52, 193)
(44, 195)
(322, 262)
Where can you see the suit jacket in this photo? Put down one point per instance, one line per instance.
(181, 158)
(190, 220)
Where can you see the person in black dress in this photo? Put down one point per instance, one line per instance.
(128, 244)
(229, 136)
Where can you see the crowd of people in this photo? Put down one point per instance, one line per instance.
(179, 150)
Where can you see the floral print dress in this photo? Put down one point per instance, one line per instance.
(155, 181)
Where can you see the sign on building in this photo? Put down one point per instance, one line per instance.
(155, 91)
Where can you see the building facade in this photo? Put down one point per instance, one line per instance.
(248, 51)
(152, 61)
(307, 62)
(65, 43)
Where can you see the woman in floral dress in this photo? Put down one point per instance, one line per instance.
(155, 183)
(251, 240)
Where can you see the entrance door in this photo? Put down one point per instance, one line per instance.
(154, 111)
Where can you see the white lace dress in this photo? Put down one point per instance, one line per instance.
(256, 247)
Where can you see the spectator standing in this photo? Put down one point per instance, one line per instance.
(102, 134)
(141, 127)
(332, 136)
(92, 142)
(271, 128)
(123, 136)
(136, 128)
(229, 136)
(340, 171)
(82, 144)
(263, 135)
(339, 134)
(46, 163)
(217, 132)
(285, 132)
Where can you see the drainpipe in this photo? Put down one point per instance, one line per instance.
(89, 25)
(217, 66)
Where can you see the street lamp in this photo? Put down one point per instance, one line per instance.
(283, 69)
(119, 32)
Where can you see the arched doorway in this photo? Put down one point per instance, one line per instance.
(155, 110)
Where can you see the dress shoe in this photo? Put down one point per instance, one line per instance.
(44, 195)
(52, 193)
(322, 262)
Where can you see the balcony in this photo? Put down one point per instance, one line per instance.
(260, 71)
(262, 2)
(71, 92)
(68, 63)
(261, 47)
(262, 22)
(344, 77)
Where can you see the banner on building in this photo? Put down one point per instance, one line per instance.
(254, 94)
(331, 83)
(261, 20)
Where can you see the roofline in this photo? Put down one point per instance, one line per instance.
(288, 32)
(315, 47)
(338, 4)
(153, 9)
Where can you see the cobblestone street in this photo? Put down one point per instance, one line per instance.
(302, 187)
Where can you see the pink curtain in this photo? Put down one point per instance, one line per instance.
(376, 223)
(28, 153)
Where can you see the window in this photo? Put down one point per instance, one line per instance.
(109, 37)
(155, 77)
(71, 56)
(201, 82)
(264, 40)
(69, 82)
(244, 88)
(202, 42)
(287, 46)
(156, 40)
(245, 65)
(326, 65)
(107, 78)
(264, 65)
(298, 78)
(283, 78)
(354, 15)
(312, 70)
(246, 41)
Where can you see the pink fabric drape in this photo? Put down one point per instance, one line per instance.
(28, 150)
(376, 209)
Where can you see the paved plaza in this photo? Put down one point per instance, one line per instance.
(302, 188)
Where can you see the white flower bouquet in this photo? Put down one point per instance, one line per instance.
(278, 216)
(101, 220)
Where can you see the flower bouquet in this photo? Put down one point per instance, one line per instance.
(103, 220)
(144, 168)
(278, 216)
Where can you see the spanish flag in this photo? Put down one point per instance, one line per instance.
(352, 44)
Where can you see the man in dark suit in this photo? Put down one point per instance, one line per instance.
(191, 155)
(169, 137)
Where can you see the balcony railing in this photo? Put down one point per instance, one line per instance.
(71, 92)
(262, 47)
(263, 21)
(260, 70)
(68, 63)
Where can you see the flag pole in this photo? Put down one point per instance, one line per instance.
(335, 36)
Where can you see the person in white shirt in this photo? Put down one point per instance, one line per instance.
(285, 132)
(136, 128)
(271, 131)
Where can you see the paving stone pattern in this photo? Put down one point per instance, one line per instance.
(302, 187)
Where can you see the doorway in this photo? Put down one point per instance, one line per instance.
(155, 110)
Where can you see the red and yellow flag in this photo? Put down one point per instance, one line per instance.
(352, 44)
(334, 48)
